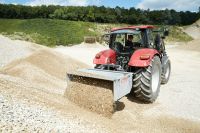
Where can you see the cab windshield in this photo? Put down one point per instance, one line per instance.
(125, 39)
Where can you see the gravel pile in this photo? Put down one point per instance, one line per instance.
(47, 69)
(11, 50)
(44, 69)
(193, 30)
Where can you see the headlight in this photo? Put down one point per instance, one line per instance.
(108, 60)
(145, 57)
(98, 55)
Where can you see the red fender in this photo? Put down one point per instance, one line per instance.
(105, 57)
(142, 57)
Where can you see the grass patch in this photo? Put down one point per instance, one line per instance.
(47, 31)
(52, 32)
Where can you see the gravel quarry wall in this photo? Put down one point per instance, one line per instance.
(193, 30)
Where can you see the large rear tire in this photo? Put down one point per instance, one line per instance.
(166, 73)
(146, 81)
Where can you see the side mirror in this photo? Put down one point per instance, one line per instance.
(151, 44)
(166, 32)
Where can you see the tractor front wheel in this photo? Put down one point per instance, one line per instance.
(146, 81)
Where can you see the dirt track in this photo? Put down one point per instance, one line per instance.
(176, 110)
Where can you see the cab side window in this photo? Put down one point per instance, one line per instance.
(151, 39)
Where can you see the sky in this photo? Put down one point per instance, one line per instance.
(179, 5)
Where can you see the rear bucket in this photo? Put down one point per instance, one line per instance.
(97, 90)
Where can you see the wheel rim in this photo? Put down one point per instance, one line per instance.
(155, 78)
(167, 72)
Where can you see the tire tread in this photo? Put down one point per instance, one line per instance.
(142, 82)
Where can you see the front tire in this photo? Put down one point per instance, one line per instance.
(146, 81)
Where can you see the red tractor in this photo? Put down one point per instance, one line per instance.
(144, 56)
(136, 62)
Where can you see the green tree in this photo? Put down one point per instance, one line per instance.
(90, 15)
(59, 13)
(100, 14)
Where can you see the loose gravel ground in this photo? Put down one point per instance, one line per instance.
(27, 106)
(20, 116)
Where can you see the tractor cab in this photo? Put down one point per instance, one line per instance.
(124, 42)
(142, 37)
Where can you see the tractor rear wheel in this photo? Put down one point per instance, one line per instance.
(167, 72)
(146, 81)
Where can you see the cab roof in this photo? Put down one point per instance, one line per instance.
(134, 27)
(125, 31)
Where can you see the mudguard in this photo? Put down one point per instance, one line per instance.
(137, 59)
(105, 57)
